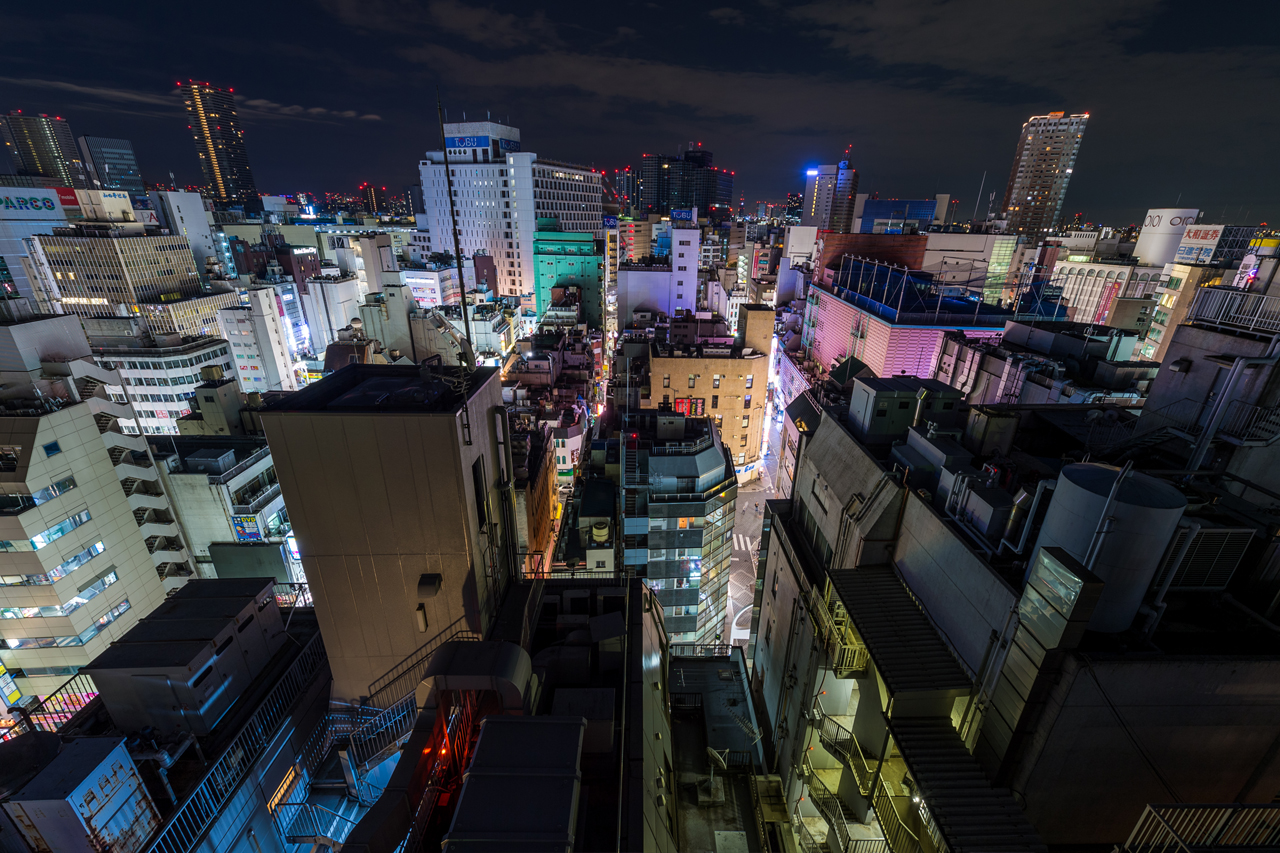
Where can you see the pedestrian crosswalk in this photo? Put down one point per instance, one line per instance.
(743, 543)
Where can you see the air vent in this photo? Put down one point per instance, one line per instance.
(1209, 562)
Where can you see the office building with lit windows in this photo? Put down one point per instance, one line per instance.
(92, 273)
(215, 127)
(43, 146)
(1042, 167)
(111, 165)
(500, 192)
(819, 192)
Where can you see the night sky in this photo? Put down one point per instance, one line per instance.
(1182, 95)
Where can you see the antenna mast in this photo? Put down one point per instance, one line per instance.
(457, 245)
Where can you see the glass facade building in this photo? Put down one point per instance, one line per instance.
(111, 165)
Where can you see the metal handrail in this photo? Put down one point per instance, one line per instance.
(1228, 306)
(293, 594)
(402, 679)
(840, 740)
(384, 731)
(1245, 422)
(255, 506)
(900, 837)
(57, 709)
(826, 802)
(700, 650)
(1191, 826)
(231, 473)
(312, 822)
(188, 825)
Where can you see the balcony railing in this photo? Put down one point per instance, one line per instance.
(848, 654)
(255, 457)
(56, 710)
(310, 823)
(840, 742)
(829, 806)
(700, 650)
(1226, 306)
(188, 825)
(1250, 424)
(256, 506)
(1188, 827)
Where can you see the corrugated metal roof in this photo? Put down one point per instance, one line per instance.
(971, 815)
(905, 647)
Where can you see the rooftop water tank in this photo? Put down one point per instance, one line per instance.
(1146, 513)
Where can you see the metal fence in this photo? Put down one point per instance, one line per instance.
(1226, 306)
(310, 823)
(58, 708)
(293, 595)
(402, 679)
(383, 732)
(700, 650)
(1191, 827)
(187, 826)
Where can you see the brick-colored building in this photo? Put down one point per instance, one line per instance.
(729, 384)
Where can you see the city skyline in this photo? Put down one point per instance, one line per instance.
(604, 92)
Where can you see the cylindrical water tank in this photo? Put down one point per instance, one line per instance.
(1146, 513)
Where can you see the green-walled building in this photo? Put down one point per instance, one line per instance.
(563, 258)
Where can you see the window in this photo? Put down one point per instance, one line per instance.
(746, 402)
(750, 377)
(52, 449)
(744, 440)
(742, 458)
(768, 631)
(715, 401)
(666, 380)
(693, 380)
(776, 577)
(746, 421)
(481, 489)
(715, 380)
(62, 528)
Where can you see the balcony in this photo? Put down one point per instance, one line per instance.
(259, 502)
(1235, 309)
(1219, 827)
(255, 457)
(849, 657)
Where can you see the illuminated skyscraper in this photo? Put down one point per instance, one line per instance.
(42, 145)
(844, 199)
(220, 144)
(111, 165)
(1042, 168)
(819, 189)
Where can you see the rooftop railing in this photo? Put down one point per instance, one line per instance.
(188, 825)
(230, 474)
(1190, 827)
(1226, 306)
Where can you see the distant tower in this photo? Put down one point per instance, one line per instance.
(111, 165)
(1042, 169)
(43, 146)
(844, 199)
(220, 144)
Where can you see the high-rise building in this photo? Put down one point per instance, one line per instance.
(626, 188)
(425, 551)
(184, 214)
(215, 127)
(795, 204)
(679, 487)
(43, 145)
(25, 213)
(673, 183)
(844, 199)
(259, 342)
(375, 198)
(500, 193)
(95, 274)
(819, 191)
(1042, 168)
(111, 165)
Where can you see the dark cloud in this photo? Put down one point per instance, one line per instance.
(928, 95)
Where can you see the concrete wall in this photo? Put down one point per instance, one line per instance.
(1210, 726)
(376, 501)
(963, 596)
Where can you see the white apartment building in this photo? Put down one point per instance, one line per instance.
(259, 343)
(185, 215)
(159, 381)
(88, 540)
(1089, 288)
(665, 288)
(499, 193)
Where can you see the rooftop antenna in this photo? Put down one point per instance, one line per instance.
(453, 216)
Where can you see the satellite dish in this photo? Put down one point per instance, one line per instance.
(717, 759)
